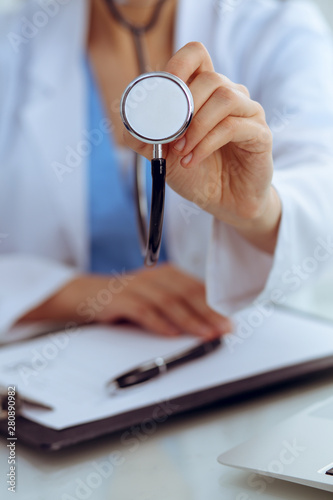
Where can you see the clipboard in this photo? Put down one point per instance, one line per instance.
(313, 354)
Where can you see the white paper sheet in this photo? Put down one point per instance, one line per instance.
(69, 371)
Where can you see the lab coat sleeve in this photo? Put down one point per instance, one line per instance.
(26, 282)
(293, 82)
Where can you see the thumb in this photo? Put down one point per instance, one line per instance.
(139, 147)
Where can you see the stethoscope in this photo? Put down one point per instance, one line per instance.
(156, 108)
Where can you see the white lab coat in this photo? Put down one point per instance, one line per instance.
(280, 50)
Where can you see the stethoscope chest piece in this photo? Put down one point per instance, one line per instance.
(156, 108)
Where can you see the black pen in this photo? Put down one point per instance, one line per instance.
(160, 365)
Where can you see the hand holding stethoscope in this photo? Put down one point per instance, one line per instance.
(223, 161)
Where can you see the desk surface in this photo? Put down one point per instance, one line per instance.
(176, 460)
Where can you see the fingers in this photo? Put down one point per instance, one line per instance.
(247, 132)
(165, 315)
(190, 60)
(163, 300)
(226, 93)
(143, 149)
(181, 299)
(220, 103)
(180, 313)
(219, 322)
(168, 302)
(139, 311)
(216, 99)
(137, 146)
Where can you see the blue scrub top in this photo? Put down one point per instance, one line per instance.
(114, 237)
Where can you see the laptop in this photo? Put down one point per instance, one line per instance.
(299, 450)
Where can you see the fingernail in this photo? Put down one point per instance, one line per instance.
(180, 145)
(186, 160)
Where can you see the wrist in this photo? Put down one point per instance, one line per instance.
(262, 228)
(61, 306)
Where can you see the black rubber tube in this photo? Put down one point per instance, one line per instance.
(158, 172)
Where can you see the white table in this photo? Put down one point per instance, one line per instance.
(176, 462)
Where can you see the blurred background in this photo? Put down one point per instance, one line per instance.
(327, 8)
